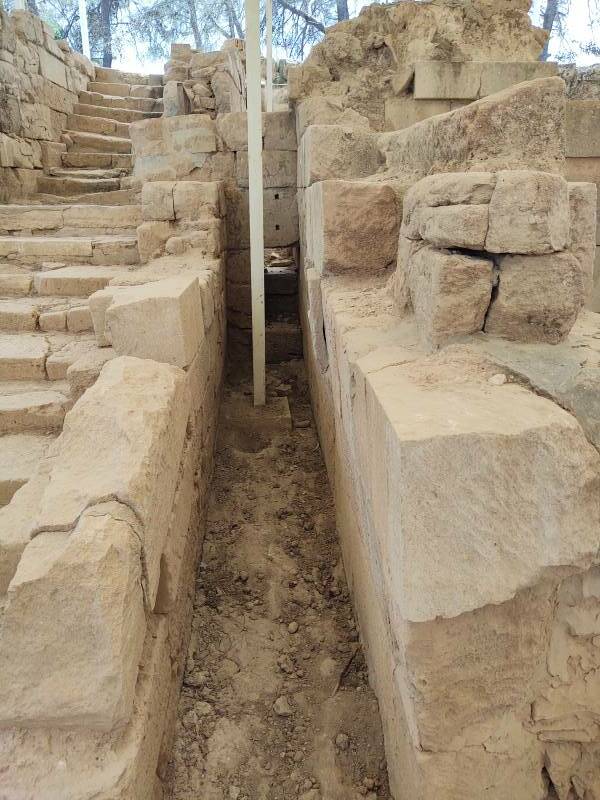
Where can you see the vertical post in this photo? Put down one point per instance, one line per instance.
(255, 197)
(269, 38)
(85, 34)
(20, 5)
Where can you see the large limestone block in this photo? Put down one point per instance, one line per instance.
(279, 168)
(583, 199)
(518, 128)
(582, 128)
(74, 626)
(194, 199)
(402, 112)
(157, 200)
(52, 69)
(538, 298)
(462, 188)
(471, 80)
(334, 151)
(280, 217)
(351, 226)
(531, 507)
(529, 213)
(161, 320)
(122, 440)
(450, 292)
(463, 226)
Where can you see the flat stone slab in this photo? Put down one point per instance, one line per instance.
(42, 410)
(20, 454)
(23, 356)
(74, 281)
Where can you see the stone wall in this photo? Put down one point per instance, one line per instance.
(98, 550)
(40, 79)
(395, 64)
(464, 465)
(173, 150)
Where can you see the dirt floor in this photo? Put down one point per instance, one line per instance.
(275, 702)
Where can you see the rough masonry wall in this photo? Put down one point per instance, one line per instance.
(40, 80)
(465, 478)
(98, 550)
(372, 64)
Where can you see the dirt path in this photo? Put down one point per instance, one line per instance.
(275, 702)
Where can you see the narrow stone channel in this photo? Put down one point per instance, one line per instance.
(275, 702)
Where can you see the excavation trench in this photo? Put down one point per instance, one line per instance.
(275, 701)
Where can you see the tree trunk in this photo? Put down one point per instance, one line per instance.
(342, 10)
(105, 32)
(194, 25)
(32, 6)
(550, 13)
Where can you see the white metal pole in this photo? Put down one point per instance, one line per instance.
(20, 5)
(255, 197)
(85, 33)
(269, 37)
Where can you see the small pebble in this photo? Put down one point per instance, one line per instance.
(498, 379)
(293, 627)
(342, 741)
(282, 707)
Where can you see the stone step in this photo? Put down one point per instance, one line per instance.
(18, 315)
(86, 219)
(83, 172)
(68, 186)
(95, 124)
(97, 160)
(21, 453)
(118, 114)
(110, 75)
(121, 197)
(36, 408)
(125, 89)
(80, 141)
(15, 284)
(98, 250)
(107, 101)
(23, 356)
(79, 281)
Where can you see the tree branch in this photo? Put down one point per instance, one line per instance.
(306, 17)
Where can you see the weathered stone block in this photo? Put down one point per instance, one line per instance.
(524, 129)
(471, 80)
(120, 441)
(160, 320)
(193, 199)
(351, 226)
(529, 213)
(582, 129)
(583, 198)
(538, 297)
(333, 151)
(74, 625)
(450, 293)
(455, 226)
(157, 201)
(279, 168)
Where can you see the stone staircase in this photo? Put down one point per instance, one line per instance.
(68, 242)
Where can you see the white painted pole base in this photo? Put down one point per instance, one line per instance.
(269, 38)
(255, 198)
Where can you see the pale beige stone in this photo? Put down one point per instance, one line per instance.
(463, 226)
(450, 293)
(157, 201)
(21, 453)
(370, 243)
(160, 320)
(193, 199)
(583, 198)
(42, 410)
(84, 371)
(529, 213)
(538, 297)
(23, 356)
(333, 151)
(121, 441)
(73, 626)
(53, 321)
(151, 237)
(79, 319)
